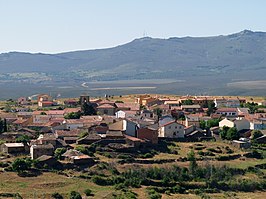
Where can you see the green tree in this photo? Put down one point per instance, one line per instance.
(213, 122)
(158, 112)
(223, 132)
(188, 102)
(192, 162)
(202, 124)
(21, 164)
(211, 108)
(75, 195)
(87, 109)
(23, 138)
(73, 115)
(58, 153)
(232, 134)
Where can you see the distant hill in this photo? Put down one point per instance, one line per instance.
(219, 61)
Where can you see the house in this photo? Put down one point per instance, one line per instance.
(77, 157)
(106, 109)
(125, 114)
(146, 113)
(258, 124)
(126, 126)
(23, 101)
(227, 112)
(191, 108)
(42, 149)
(149, 134)
(47, 138)
(134, 142)
(73, 123)
(44, 100)
(20, 123)
(172, 103)
(238, 123)
(228, 103)
(172, 130)
(69, 136)
(71, 102)
(89, 139)
(192, 120)
(13, 148)
(47, 160)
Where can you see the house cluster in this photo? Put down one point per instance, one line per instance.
(135, 124)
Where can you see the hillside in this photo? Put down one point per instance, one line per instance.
(234, 62)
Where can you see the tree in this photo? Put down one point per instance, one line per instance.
(58, 153)
(211, 108)
(192, 161)
(188, 102)
(75, 195)
(87, 109)
(158, 112)
(212, 123)
(202, 124)
(232, 134)
(223, 132)
(23, 138)
(73, 115)
(21, 164)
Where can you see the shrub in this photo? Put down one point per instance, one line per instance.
(102, 181)
(75, 195)
(88, 192)
(57, 196)
(153, 194)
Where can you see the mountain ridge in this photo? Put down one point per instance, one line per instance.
(238, 56)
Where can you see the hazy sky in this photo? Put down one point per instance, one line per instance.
(52, 26)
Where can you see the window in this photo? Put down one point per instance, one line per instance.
(105, 111)
(169, 127)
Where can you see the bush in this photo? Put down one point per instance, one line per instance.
(102, 181)
(88, 192)
(75, 195)
(57, 196)
(153, 194)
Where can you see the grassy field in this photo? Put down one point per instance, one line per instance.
(47, 183)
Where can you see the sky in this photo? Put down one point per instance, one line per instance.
(53, 26)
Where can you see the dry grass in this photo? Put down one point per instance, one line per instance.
(44, 185)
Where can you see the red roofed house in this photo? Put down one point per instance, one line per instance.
(106, 109)
(45, 100)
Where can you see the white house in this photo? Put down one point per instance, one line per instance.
(73, 123)
(239, 123)
(124, 114)
(172, 130)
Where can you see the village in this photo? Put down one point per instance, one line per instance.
(67, 133)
